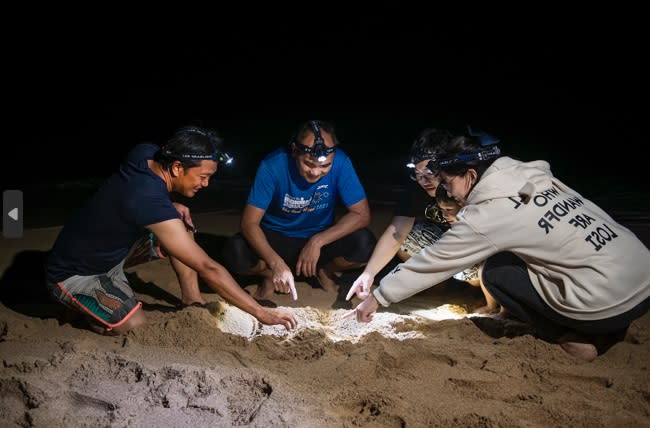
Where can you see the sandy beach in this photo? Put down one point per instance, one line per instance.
(426, 362)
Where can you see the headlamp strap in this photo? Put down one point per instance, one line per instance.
(319, 150)
(482, 155)
(215, 156)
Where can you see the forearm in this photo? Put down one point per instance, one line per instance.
(347, 224)
(219, 280)
(257, 240)
(389, 243)
(423, 270)
(384, 251)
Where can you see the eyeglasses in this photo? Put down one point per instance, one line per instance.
(424, 176)
(445, 182)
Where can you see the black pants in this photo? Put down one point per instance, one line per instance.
(238, 256)
(506, 278)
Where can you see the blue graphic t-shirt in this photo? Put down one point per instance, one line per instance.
(101, 233)
(293, 206)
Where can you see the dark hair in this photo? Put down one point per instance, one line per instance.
(427, 144)
(443, 196)
(306, 129)
(190, 145)
(464, 152)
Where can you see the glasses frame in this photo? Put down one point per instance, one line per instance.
(426, 175)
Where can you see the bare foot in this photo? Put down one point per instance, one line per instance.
(501, 315)
(474, 282)
(265, 290)
(577, 346)
(326, 282)
(487, 309)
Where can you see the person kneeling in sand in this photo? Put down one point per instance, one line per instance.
(423, 212)
(449, 208)
(288, 225)
(553, 259)
(85, 267)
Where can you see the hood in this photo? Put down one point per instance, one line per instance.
(507, 177)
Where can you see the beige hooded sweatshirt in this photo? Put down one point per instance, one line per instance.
(582, 263)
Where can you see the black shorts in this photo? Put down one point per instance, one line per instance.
(356, 247)
(506, 278)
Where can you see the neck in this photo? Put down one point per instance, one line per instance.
(162, 173)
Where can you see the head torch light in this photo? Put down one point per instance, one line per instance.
(319, 150)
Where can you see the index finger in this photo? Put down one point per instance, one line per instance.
(353, 290)
(353, 312)
(292, 289)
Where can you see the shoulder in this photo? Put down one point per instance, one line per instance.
(278, 155)
(342, 157)
(275, 163)
(142, 151)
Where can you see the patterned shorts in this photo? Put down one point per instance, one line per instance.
(468, 274)
(107, 298)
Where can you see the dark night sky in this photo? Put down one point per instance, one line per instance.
(567, 86)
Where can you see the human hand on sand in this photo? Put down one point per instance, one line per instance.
(361, 286)
(276, 316)
(365, 310)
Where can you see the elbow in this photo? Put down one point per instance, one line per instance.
(245, 227)
(365, 219)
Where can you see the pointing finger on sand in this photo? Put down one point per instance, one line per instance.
(361, 286)
(350, 314)
(292, 288)
(353, 290)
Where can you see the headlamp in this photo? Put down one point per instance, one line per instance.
(430, 169)
(492, 151)
(319, 150)
(221, 157)
(417, 156)
(482, 155)
(420, 155)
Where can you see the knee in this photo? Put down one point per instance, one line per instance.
(236, 254)
(365, 244)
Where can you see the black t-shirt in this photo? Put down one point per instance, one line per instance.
(429, 224)
(413, 201)
(101, 233)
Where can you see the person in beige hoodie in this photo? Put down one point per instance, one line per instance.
(553, 258)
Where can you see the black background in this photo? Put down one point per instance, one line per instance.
(83, 86)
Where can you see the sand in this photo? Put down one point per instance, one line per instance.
(426, 362)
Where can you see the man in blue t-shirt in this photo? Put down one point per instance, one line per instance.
(289, 227)
(85, 268)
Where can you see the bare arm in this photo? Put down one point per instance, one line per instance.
(281, 274)
(384, 251)
(357, 217)
(177, 242)
(252, 231)
(389, 243)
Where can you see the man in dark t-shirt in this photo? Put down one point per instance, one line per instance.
(85, 268)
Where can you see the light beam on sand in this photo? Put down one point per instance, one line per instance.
(442, 312)
(232, 320)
